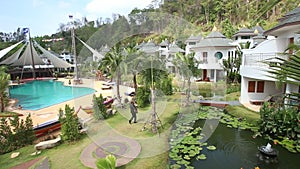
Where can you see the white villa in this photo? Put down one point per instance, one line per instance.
(66, 55)
(252, 36)
(257, 85)
(211, 51)
(191, 42)
(165, 50)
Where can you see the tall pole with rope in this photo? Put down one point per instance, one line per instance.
(76, 78)
(31, 53)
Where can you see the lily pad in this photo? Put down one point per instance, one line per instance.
(186, 157)
(201, 157)
(211, 147)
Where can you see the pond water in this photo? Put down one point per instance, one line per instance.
(237, 149)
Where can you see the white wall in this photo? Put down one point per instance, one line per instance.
(291, 88)
(212, 61)
(269, 89)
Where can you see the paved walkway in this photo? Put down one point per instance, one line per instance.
(125, 150)
(43, 165)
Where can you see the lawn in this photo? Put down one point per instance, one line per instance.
(63, 156)
(67, 154)
(241, 111)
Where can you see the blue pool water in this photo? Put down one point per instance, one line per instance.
(43, 93)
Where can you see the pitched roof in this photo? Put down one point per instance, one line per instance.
(215, 34)
(26, 59)
(149, 47)
(291, 18)
(194, 38)
(245, 32)
(6, 50)
(164, 43)
(258, 28)
(11, 59)
(54, 60)
(215, 39)
(138, 46)
(174, 48)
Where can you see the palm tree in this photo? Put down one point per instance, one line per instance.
(4, 82)
(188, 66)
(232, 67)
(134, 62)
(111, 63)
(287, 71)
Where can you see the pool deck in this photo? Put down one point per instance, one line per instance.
(51, 112)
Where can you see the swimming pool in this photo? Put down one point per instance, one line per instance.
(39, 94)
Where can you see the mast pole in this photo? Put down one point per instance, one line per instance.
(31, 52)
(74, 50)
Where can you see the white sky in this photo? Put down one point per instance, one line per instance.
(44, 16)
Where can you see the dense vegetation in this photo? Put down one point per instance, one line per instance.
(15, 133)
(281, 121)
(282, 125)
(99, 109)
(69, 124)
(4, 82)
(226, 15)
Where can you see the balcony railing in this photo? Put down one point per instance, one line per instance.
(259, 59)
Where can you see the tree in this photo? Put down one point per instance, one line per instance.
(4, 82)
(232, 67)
(188, 66)
(133, 61)
(111, 63)
(69, 124)
(15, 133)
(6, 136)
(29, 132)
(287, 71)
(99, 108)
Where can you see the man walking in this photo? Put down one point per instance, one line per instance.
(133, 111)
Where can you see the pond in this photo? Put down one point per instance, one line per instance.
(237, 149)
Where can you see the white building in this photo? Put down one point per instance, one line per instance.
(211, 51)
(191, 42)
(257, 85)
(252, 36)
(66, 55)
(165, 50)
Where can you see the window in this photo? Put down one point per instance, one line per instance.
(291, 42)
(192, 43)
(204, 57)
(219, 55)
(212, 73)
(251, 86)
(245, 37)
(260, 86)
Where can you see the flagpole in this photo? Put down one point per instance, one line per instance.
(31, 52)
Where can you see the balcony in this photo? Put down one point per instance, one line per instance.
(259, 59)
(254, 66)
